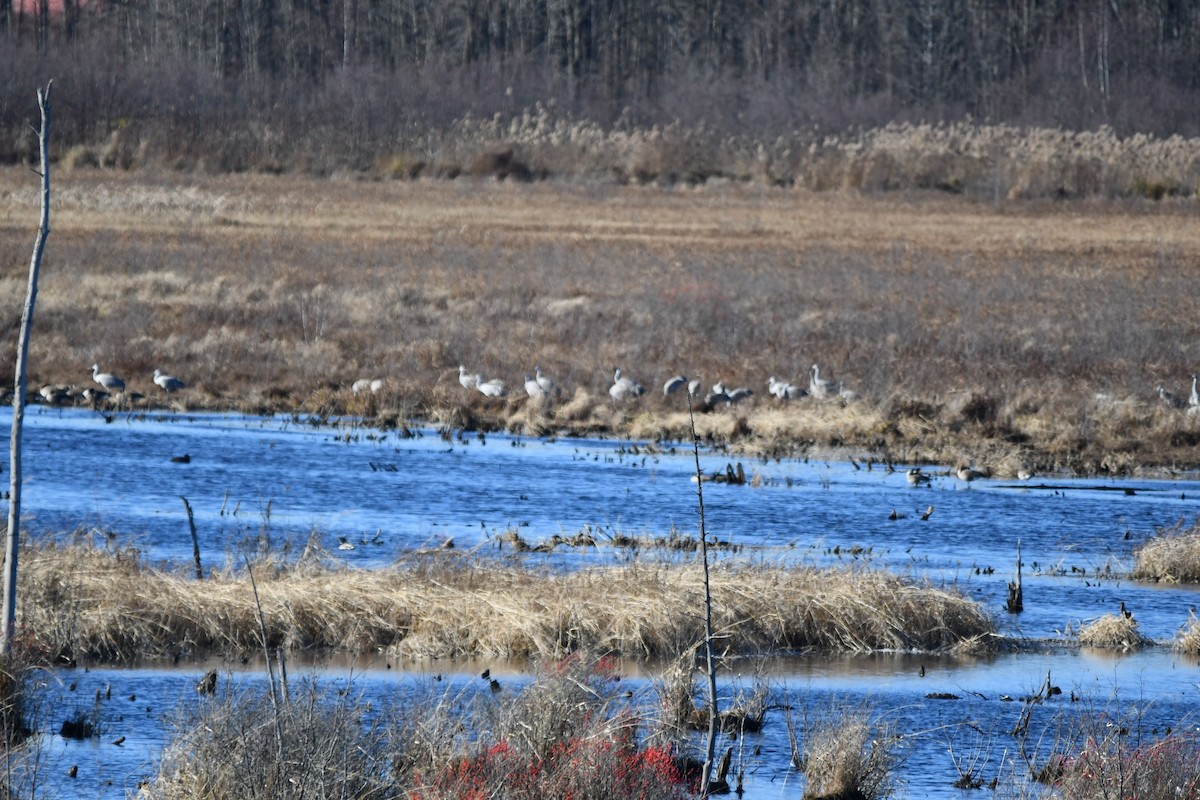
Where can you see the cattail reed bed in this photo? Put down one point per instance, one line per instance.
(1005, 335)
(88, 602)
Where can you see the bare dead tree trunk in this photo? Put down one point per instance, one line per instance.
(12, 546)
(710, 662)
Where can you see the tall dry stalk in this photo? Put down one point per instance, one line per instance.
(710, 664)
(12, 545)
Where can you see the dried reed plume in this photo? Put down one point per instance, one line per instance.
(111, 605)
(847, 754)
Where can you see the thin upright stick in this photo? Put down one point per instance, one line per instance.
(13, 543)
(710, 662)
(262, 627)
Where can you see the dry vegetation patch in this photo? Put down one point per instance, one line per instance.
(1171, 556)
(1113, 631)
(109, 605)
(1017, 331)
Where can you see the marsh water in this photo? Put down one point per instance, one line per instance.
(367, 496)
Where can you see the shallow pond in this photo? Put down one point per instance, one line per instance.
(272, 482)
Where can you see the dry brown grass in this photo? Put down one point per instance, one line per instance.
(1113, 631)
(1189, 638)
(1171, 556)
(847, 754)
(447, 604)
(970, 330)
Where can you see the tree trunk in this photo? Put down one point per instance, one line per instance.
(12, 545)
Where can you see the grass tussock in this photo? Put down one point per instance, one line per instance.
(571, 732)
(110, 605)
(848, 755)
(1113, 631)
(1188, 640)
(1171, 556)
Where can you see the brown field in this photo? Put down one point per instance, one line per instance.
(1019, 333)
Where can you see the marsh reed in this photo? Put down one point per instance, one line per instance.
(112, 606)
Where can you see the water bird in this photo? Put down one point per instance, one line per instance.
(106, 379)
(784, 390)
(94, 396)
(168, 383)
(1024, 474)
(1194, 397)
(694, 387)
(542, 381)
(674, 384)
(917, 478)
(492, 388)
(1168, 397)
(120, 740)
(54, 395)
(207, 684)
(358, 387)
(465, 379)
(624, 388)
(818, 386)
(183, 459)
(534, 389)
(739, 394)
(967, 474)
(927, 513)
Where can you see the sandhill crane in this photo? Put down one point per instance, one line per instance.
(467, 380)
(739, 394)
(624, 388)
(694, 387)
(106, 379)
(818, 386)
(545, 383)
(1168, 397)
(492, 388)
(784, 390)
(674, 384)
(534, 389)
(168, 383)
(917, 478)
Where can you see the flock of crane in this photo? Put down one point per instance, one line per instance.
(110, 385)
(539, 388)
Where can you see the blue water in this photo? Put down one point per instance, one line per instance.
(277, 483)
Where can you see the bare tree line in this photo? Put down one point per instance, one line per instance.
(744, 66)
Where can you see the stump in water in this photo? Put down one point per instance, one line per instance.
(1016, 603)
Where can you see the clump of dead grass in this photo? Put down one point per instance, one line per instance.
(1111, 763)
(453, 604)
(1172, 555)
(1113, 631)
(1188, 640)
(847, 753)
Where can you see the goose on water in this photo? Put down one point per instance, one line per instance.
(917, 478)
(967, 474)
(106, 379)
(168, 383)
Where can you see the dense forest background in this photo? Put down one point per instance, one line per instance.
(320, 85)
